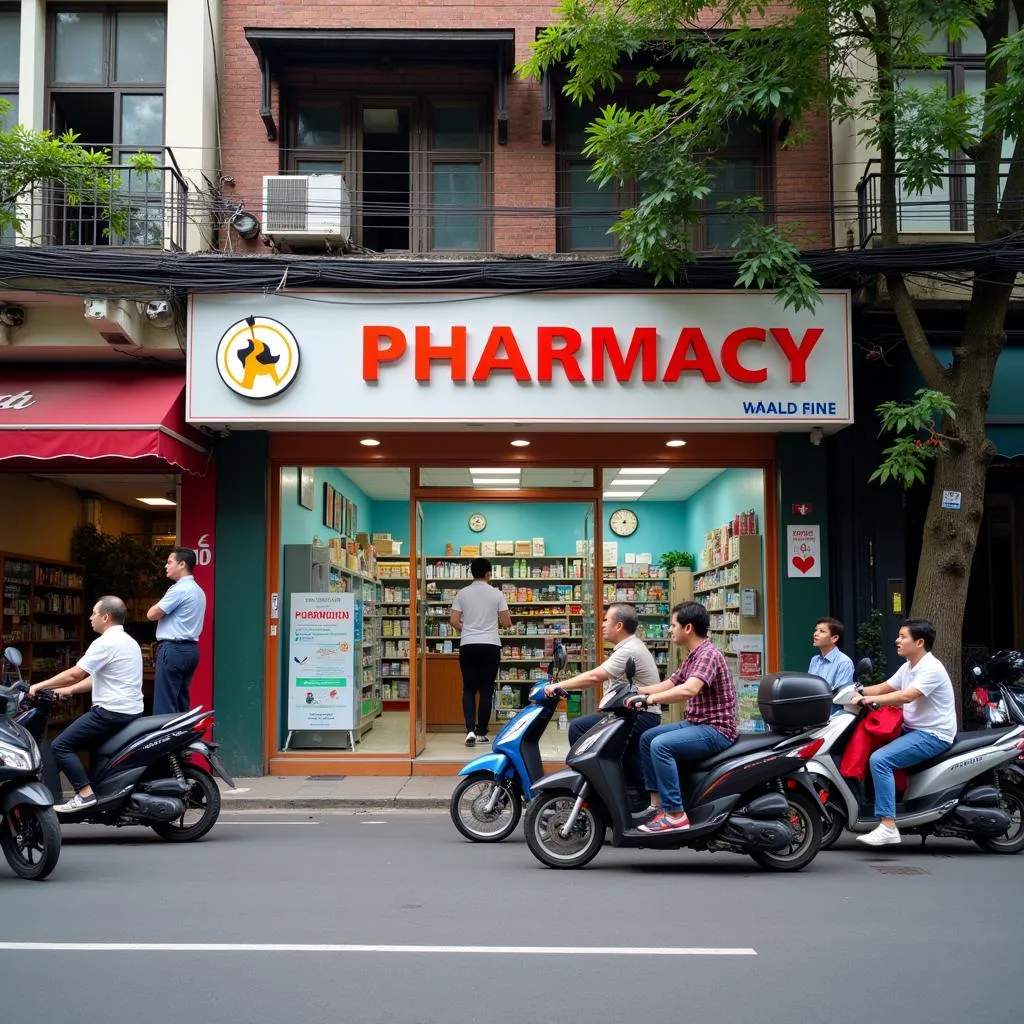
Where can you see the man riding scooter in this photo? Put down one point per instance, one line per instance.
(112, 669)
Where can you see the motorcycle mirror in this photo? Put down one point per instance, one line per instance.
(976, 671)
(630, 670)
(863, 668)
(13, 656)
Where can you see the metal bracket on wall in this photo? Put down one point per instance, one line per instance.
(545, 108)
(266, 112)
(503, 73)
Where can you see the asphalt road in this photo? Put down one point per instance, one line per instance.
(395, 918)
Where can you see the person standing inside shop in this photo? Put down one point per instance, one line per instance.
(179, 621)
(619, 629)
(477, 612)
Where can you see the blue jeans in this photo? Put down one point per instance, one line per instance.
(660, 748)
(913, 747)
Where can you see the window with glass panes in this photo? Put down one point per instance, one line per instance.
(418, 170)
(949, 206)
(587, 210)
(10, 42)
(106, 74)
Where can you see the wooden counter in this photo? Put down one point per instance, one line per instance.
(444, 693)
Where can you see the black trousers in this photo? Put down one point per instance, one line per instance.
(631, 756)
(176, 662)
(87, 732)
(479, 664)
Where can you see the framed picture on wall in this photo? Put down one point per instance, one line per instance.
(307, 480)
(336, 517)
(347, 518)
(328, 506)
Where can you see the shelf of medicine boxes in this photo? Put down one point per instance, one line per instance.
(718, 588)
(649, 595)
(368, 591)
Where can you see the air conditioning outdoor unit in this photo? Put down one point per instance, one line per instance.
(306, 208)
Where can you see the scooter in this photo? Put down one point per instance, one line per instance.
(487, 804)
(146, 774)
(968, 792)
(29, 830)
(752, 798)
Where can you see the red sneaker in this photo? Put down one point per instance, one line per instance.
(663, 822)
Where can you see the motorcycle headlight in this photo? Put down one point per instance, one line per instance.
(12, 757)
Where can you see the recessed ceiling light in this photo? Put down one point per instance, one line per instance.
(156, 501)
(520, 442)
(623, 494)
(477, 480)
(370, 442)
(675, 443)
(632, 481)
(642, 472)
(498, 471)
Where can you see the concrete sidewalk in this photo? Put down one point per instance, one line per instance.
(354, 792)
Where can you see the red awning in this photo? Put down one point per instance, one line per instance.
(100, 421)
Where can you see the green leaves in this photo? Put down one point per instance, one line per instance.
(918, 441)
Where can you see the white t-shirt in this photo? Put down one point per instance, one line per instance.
(480, 604)
(646, 667)
(114, 660)
(935, 712)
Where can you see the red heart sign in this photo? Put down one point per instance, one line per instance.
(803, 564)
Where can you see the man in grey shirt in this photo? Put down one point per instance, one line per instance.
(179, 621)
(619, 628)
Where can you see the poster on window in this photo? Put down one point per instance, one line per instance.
(320, 662)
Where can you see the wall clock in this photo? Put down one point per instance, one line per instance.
(477, 522)
(623, 522)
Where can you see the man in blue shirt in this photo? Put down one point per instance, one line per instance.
(829, 662)
(179, 621)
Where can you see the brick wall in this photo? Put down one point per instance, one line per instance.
(524, 169)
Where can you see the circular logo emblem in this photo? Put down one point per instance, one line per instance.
(258, 357)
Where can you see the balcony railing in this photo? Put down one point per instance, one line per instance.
(945, 209)
(128, 208)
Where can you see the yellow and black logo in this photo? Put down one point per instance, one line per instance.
(258, 357)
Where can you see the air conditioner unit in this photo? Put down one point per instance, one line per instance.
(306, 208)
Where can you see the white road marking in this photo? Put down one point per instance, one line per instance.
(301, 947)
(236, 791)
(373, 823)
(223, 822)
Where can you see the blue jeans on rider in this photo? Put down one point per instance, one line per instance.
(662, 749)
(913, 747)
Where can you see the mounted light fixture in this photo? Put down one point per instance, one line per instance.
(245, 224)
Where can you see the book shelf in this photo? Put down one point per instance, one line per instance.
(43, 615)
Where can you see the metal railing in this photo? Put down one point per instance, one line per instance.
(942, 210)
(127, 208)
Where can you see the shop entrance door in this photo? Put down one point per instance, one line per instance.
(419, 696)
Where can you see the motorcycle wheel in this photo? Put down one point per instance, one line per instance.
(202, 809)
(546, 814)
(1012, 840)
(468, 808)
(832, 829)
(805, 820)
(30, 837)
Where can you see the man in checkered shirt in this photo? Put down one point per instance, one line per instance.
(704, 685)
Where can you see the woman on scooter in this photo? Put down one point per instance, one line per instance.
(922, 687)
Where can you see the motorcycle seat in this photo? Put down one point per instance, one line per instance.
(133, 730)
(962, 744)
(744, 745)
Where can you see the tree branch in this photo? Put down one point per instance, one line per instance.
(917, 341)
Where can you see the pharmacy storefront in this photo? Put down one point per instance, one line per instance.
(645, 447)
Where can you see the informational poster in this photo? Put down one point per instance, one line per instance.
(750, 667)
(321, 687)
(804, 552)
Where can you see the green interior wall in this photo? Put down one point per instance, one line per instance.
(242, 517)
(801, 469)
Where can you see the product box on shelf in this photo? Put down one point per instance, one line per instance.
(504, 547)
(538, 547)
(523, 548)
(469, 551)
(487, 548)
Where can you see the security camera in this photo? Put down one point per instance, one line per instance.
(12, 316)
(817, 436)
(159, 313)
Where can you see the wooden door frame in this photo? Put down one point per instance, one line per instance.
(429, 449)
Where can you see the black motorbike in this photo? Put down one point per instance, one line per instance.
(149, 773)
(753, 798)
(29, 830)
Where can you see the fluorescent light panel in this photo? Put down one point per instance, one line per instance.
(642, 472)
(156, 501)
(497, 471)
(623, 494)
(632, 481)
(478, 480)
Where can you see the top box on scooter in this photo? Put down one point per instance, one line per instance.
(793, 701)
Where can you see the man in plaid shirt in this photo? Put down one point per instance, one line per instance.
(704, 685)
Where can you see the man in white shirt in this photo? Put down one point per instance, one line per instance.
(619, 628)
(922, 687)
(477, 612)
(112, 669)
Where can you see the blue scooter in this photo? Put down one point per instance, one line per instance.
(487, 804)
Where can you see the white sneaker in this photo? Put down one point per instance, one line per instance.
(883, 835)
(470, 739)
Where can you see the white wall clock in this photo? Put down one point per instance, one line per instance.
(477, 522)
(623, 522)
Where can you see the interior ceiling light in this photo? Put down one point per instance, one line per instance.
(478, 480)
(632, 481)
(675, 443)
(642, 472)
(498, 470)
(370, 442)
(623, 494)
(520, 442)
(156, 501)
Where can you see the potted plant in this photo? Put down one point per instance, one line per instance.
(677, 560)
